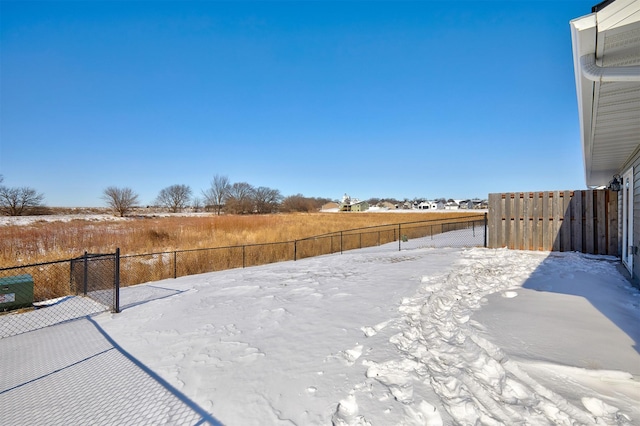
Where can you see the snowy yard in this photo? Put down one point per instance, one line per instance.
(423, 336)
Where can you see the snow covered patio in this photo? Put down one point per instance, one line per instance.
(375, 336)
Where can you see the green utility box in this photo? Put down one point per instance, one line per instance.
(16, 292)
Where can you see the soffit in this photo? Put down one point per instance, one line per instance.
(615, 129)
(609, 111)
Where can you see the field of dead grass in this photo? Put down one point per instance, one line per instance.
(44, 241)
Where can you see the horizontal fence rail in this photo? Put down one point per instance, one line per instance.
(583, 221)
(78, 287)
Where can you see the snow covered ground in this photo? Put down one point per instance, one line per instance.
(28, 220)
(424, 336)
(89, 217)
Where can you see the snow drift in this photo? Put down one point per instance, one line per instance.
(424, 336)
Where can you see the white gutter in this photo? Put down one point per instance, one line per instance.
(591, 71)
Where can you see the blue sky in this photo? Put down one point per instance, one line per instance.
(375, 99)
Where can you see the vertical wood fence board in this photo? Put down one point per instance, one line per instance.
(555, 225)
(601, 219)
(577, 217)
(507, 224)
(565, 230)
(589, 229)
(514, 221)
(535, 223)
(545, 222)
(526, 225)
(515, 218)
(495, 216)
(549, 222)
(553, 207)
(519, 221)
(501, 223)
(573, 204)
(613, 223)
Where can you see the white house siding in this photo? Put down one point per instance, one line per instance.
(636, 217)
(634, 161)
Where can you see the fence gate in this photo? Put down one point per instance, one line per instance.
(97, 276)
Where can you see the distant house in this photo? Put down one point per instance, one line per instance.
(465, 204)
(606, 62)
(407, 205)
(353, 205)
(359, 206)
(431, 205)
(473, 204)
(451, 205)
(478, 204)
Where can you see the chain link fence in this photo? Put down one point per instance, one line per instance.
(49, 293)
(56, 369)
(90, 284)
(469, 231)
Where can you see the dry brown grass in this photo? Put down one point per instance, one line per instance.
(156, 248)
(46, 241)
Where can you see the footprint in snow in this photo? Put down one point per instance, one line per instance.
(426, 414)
(509, 294)
(346, 413)
(250, 355)
(395, 376)
(599, 408)
(274, 313)
(372, 331)
(352, 355)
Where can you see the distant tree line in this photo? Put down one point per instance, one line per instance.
(222, 196)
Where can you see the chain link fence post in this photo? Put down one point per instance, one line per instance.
(485, 230)
(116, 279)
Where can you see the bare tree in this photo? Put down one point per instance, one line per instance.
(217, 194)
(240, 200)
(296, 203)
(120, 200)
(174, 197)
(197, 204)
(266, 200)
(19, 200)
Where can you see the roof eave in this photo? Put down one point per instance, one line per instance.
(583, 38)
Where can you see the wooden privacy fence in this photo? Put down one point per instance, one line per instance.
(584, 221)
